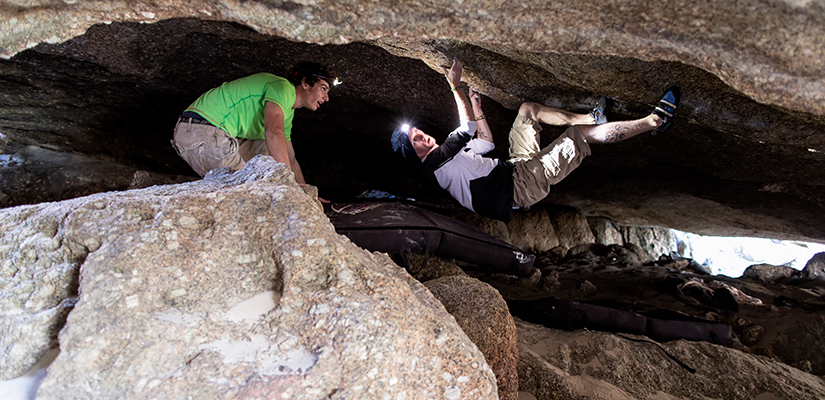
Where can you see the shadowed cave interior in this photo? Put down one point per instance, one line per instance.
(96, 113)
(83, 116)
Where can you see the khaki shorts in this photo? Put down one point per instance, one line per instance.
(536, 169)
(206, 147)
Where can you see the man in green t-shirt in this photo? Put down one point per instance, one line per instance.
(230, 124)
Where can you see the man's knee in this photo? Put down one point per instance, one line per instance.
(529, 110)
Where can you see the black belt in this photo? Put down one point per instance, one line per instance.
(193, 118)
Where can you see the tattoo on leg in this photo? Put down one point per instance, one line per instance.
(615, 134)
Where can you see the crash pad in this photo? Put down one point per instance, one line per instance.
(661, 326)
(397, 228)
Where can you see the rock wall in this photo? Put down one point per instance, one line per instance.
(563, 365)
(558, 230)
(770, 49)
(235, 286)
(744, 159)
(483, 315)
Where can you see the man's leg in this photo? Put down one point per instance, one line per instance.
(661, 119)
(524, 135)
(554, 116)
(533, 178)
(205, 147)
(246, 150)
(251, 148)
(612, 132)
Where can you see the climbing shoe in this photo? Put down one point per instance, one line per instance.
(667, 109)
(599, 113)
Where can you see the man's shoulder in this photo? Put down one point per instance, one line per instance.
(436, 156)
(277, 89)
(264, 76)
(457, 139)
(437, 159)
(267, 79)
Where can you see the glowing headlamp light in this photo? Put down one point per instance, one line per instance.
(334, 82)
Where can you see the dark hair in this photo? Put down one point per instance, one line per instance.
(313, 72)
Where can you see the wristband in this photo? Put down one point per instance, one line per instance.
(480, 118)
(456, 88)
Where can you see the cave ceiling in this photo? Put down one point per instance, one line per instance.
(90, 92)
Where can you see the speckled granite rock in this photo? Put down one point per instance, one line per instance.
(563, 365)
(814, 268)
(656, 241)
(572, 228)
(483, 314)
(605, 231)
(235, 286)
(771, 50)
(38, 285)
(734, 164)
(769, 273)
(533, 231)
(436, 267)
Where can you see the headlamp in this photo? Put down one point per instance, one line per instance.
(334, 82)
(401, 143)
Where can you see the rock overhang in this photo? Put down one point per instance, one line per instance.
(744, 159)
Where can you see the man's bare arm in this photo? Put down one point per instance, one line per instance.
(276, 143)
(296, 168)
(484, 131)
(453, 76)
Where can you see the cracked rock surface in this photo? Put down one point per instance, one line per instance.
(235, 285)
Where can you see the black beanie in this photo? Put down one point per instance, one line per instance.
(401, 144)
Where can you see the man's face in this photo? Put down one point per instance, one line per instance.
(422, 142)
(317, 94)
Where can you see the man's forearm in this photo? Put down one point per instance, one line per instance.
(276, 144)
(276, 147)
(463, 105)
(477, 111)
(453, 75)
(296, 170)
(484, 132)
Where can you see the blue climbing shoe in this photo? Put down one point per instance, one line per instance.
(599, 113)
(667, 109)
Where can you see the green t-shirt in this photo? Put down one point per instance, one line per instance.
(237, 107)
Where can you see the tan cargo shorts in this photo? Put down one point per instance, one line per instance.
(206, 147)
(537, 169)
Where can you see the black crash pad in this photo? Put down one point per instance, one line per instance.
(393, 227)
(663, 326)
(554, 312)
